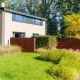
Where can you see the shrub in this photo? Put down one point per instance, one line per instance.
(77, 36)
(53, 41)
(40, 50)
(41, 41)
(45, 55)
(65, 73)
(7, 50)
(57, 55)
(53, 55)
(68, 63)
(46, 41)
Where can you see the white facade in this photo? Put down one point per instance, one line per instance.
(9, 26)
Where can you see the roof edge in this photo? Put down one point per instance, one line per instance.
(21, 13)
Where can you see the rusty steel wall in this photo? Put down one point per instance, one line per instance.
(69, 43)
(27, 44)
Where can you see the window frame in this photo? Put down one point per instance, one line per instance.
(35, 34)
(19, 34)
(25, 21)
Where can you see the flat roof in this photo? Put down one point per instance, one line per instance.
(21, 13)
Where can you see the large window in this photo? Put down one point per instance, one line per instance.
(26, 19)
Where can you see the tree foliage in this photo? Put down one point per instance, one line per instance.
(2, 0)
(52, 27)
(72, 23)
(69, 6)
(44, 8)
(31, 6)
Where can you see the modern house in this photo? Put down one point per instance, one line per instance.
(17, 24)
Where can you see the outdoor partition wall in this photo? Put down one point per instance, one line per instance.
(27, 44)
(69, 43)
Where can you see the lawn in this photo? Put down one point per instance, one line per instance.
(24, 66)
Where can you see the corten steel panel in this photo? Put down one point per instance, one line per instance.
(27, 44)
(69, 43)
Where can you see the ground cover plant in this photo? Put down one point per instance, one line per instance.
(24, 66)
(9, 50)
(67, 64)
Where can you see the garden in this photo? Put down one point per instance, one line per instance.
(48, 62)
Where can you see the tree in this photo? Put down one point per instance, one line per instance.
(2, 0)
(31, 6)
(44, 8)
(52, 27)
(69, 6)
(72, 25)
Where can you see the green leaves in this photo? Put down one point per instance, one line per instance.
(73, 24)
(70, 6)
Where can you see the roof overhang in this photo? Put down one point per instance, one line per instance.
(20, 13)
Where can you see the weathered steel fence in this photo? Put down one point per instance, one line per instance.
(69, 43)
(27, 44)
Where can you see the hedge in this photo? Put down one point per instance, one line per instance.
(41, 41)
(45, 41)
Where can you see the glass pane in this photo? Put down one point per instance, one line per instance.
(35, 34)
(22, 35)
(24, 19)
(19, 34)
(41, 22)
(13, 16)
(18, 18)
(30, 20)
(37, 21)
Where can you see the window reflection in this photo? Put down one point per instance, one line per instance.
(26, 19)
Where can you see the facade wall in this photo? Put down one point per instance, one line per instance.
(13, 26)
(0, 27)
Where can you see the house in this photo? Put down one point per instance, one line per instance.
(17, 24)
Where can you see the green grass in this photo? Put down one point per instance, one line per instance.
(24, 66)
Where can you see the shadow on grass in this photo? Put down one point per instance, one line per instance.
(38, 58)
(48, 71)
(55, 62)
